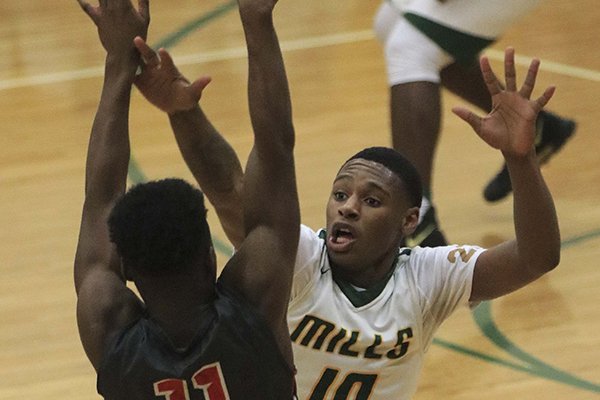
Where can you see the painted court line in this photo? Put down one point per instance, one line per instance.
(549, 66)
(287, 46)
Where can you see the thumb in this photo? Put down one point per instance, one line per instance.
(149, 56)
(197, 87)
(469, 117)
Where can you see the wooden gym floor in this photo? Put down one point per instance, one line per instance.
(541, 342)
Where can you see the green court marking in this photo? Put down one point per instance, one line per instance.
(194, 25)
(482, 314)
(483, 317)
(477, 354)
(484, 320)
(135, 173)
(581, 238)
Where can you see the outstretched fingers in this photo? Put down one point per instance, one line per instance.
(510, 74)
(490, 79)
(94, 12)
(541, 101)
(529, 83)
(90, 10)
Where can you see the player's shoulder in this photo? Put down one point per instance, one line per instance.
(103, 311)
(423, 257)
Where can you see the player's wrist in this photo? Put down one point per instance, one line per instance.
(183, 111)
(122, 65)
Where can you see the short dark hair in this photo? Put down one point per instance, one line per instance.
(160, 226)
(399, 165)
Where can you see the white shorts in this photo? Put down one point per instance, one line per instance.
(410, 56)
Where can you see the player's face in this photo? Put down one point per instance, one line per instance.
(366, 214)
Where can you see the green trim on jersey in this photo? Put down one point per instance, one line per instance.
(360, 298)
(463, 47)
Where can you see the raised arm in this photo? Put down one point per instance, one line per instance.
(210, 158)
(262, 269)
(104, 302)
(510, 127)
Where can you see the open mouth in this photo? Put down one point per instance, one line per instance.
(342, 235)
(340, 239)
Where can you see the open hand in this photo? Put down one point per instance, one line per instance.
(162, 84)
(510, 126)
(118, 23)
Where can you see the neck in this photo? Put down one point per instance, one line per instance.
(366, 276)
(176, 304)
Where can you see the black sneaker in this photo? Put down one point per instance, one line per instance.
(552, 133)
(427, 233)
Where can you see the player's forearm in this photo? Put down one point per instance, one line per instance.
(536, 222)
(268, 91)
(271, 115)
(208, 155)
(108, 151)
(215, 166)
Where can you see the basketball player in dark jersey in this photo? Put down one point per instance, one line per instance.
(188, 335)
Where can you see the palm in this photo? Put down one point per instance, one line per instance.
(166, 88)
(510, 126)
(163, 85)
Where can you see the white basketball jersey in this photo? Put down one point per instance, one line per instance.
(489, 19)
(371, 347)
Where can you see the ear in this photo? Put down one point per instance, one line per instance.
(410, 221)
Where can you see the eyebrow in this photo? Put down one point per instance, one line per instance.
(370, 184)
(380, 188)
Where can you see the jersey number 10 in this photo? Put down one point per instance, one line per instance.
(360, 385)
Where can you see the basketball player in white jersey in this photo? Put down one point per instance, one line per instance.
(429, 44)
(363, 310)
